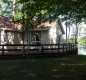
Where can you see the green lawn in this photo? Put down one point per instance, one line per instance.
(65, 68)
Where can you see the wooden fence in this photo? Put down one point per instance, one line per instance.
(36, 49)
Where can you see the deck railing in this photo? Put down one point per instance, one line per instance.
(33, 49)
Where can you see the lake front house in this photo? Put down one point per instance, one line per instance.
(47, 32)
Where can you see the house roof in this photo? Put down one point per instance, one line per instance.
(4, 23)
(59, 22)
(46, 24)
(9, 25)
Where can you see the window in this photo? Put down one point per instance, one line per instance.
(35, 38)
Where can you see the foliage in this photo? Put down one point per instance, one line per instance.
(17, 10)
(73, 10)
(82, 42)
(70, 8)
(6, 8)
(72, 40)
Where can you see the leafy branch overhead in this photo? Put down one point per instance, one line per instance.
(72, 8)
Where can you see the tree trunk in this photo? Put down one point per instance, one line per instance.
(14, 1)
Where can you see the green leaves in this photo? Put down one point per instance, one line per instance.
(82, 42)
(73, 9)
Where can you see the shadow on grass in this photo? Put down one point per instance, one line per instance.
(65, 68)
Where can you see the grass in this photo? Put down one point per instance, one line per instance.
(65, 68)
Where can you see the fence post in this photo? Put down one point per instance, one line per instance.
(73, 46)
(63, 47)
(42, 48)
(58, 48)
(69, 46)
(23, 51)
(2, 49)
(66, 47)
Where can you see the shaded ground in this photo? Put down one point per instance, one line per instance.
(65, 68)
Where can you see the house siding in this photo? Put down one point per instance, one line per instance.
(11, 38)
(14, 38)
(55, 33)
(27, 38)
(45, 37)
(50, 36)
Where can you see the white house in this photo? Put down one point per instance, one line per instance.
(47, 32)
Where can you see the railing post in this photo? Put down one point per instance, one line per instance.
(66, 47)
(73, 46)
(63, 47)
(23, 51)
(58, 48)
(69, 46)
(2, 49)
(42, 48)
(76, 45)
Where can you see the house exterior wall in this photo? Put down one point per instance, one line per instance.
(10, 38)
(14, 38)
(27, 38)
(55, 33)
(2, 36)
(50, 36)
(45, 37)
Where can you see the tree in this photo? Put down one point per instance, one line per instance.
(71, 10)
(6, 8)
(76, 8)
(40, 8)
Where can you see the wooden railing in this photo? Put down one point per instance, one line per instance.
(32, 49)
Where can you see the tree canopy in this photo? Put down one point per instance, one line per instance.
(74, 10)
(69, 8)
